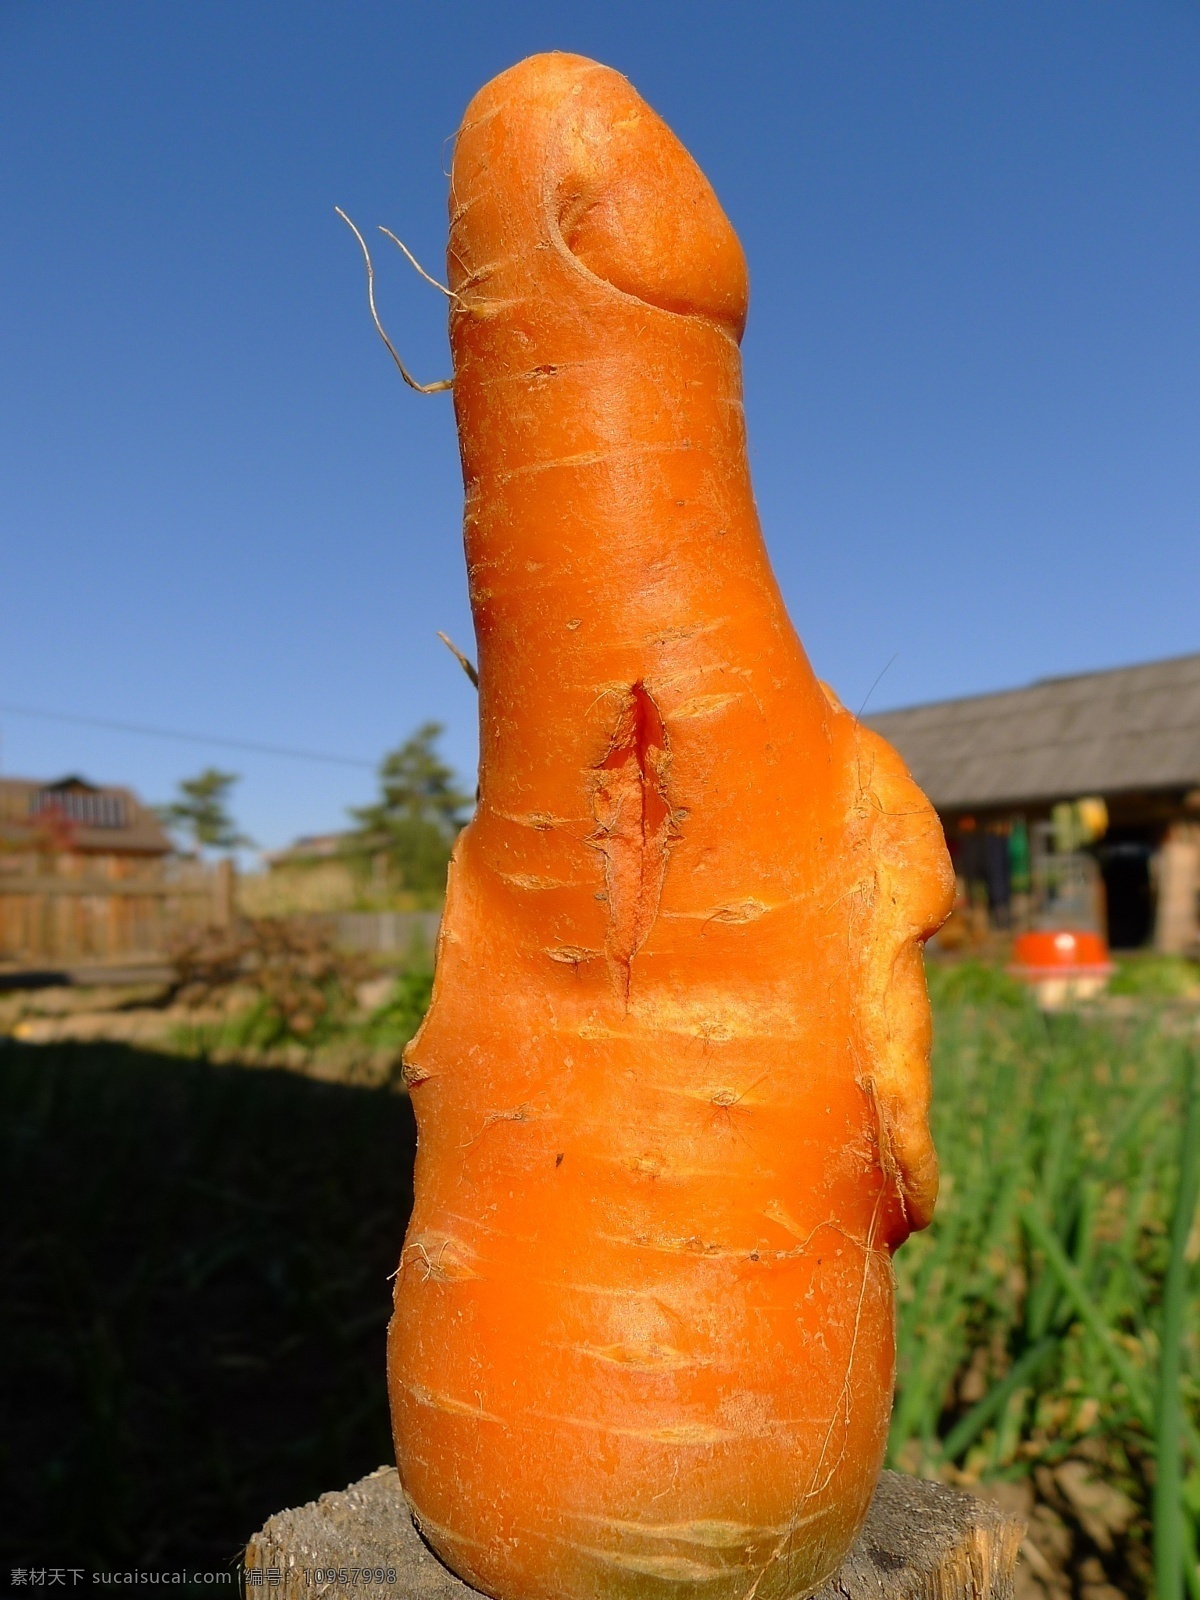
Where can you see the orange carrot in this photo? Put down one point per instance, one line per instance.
(672, 1088)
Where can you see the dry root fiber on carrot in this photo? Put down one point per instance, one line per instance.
(672, 1088)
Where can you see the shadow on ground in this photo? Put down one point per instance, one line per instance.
(195, 1263)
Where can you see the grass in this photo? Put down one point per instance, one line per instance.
(1148, 975)
(262, 1030)
(1031, 1313)
(196, 1263)
(1170, 1526)
(196, 1260)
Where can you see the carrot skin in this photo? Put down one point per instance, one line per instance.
(672, 1088)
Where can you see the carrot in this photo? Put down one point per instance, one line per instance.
(672, 1087)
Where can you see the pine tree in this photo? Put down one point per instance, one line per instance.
(418, 815)
(201, 812)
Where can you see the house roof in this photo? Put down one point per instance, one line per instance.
(307, 849)
(101, 819)
(1130, 729)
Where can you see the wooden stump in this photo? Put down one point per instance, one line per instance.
(921, 1541)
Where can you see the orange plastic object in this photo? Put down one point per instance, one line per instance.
(672, 1087)
(1064, 952)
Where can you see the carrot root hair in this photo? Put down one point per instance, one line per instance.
(421, 388)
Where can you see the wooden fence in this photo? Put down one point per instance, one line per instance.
(385, 933)
(51, 921)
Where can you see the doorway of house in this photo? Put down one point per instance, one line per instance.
(1124, 856)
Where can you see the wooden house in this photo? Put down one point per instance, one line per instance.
(1125, 743)
(87, 876)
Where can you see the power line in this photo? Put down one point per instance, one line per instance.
(188, 738)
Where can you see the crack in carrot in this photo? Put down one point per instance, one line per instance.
(635, 828)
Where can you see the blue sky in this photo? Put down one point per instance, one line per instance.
(972, 365)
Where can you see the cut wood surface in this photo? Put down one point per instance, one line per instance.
(921, 1541)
